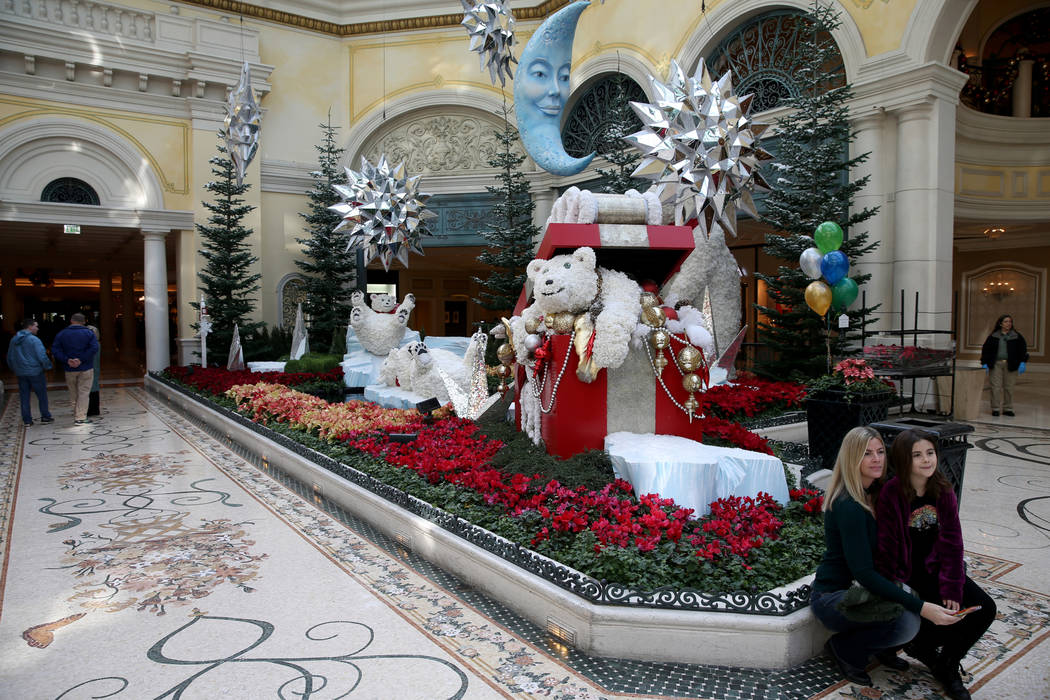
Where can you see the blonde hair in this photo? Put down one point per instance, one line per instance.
(846, 475)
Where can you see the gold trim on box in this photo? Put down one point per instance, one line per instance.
(245, 9)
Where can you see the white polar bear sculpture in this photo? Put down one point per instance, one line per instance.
(414, 368)
(573, 283)
(379, 332)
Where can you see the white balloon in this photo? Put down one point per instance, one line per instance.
(809, 261)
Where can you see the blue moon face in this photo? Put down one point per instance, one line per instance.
(541, 89)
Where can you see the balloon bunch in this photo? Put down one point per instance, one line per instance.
(825, 260)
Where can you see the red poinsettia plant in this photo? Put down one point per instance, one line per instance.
(853, 379)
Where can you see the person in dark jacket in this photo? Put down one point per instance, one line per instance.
(75, 347)
(1003, 357)
(849, 556)
(28, 360)
(921, 544)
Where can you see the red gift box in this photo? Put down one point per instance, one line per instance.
(628, 398)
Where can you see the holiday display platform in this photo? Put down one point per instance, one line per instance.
(779, 632)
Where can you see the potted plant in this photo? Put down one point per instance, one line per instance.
(850, 396)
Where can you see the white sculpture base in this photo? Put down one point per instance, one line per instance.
(691, 473)
(266, 366)
(393, 396)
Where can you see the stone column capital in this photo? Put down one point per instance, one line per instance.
(155, 234)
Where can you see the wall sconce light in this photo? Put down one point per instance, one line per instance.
(994, 232)
(999, 290)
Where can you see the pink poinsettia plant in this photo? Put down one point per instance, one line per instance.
(853, 378)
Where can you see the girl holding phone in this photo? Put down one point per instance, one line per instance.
(920, 543)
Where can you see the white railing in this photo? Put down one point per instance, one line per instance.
(98, 17)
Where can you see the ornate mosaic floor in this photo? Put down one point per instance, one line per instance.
(145, 558)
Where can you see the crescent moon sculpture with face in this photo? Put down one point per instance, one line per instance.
(541, 88)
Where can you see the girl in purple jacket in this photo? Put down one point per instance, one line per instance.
(920, 543)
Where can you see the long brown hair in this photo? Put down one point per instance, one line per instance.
(901, 462)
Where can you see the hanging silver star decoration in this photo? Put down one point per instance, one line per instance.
(491, 28)
(383, 212)
(241, 130)
(700, 147)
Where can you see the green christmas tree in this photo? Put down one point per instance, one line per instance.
(330, 270)
(510, 240)
(621, 156)
(227, 282)
(811, 184)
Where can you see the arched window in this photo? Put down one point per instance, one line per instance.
(596, 116)
(69, 190)
(291, 291)
(764, 55)
(993, 79)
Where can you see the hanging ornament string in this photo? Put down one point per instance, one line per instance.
(539, 385)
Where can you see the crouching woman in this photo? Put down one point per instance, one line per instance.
(867, 613)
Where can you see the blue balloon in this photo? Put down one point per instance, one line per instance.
(834, 266)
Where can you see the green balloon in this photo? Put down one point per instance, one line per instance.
(843, 293)
(828, 237)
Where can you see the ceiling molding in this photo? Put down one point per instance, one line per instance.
(313, 24)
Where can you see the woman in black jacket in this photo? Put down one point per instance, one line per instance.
(1003, 357)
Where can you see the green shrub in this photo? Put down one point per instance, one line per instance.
(313, 362)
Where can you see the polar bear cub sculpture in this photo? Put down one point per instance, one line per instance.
(377, 330)
(414, 368)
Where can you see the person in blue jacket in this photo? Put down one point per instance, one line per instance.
(28, 360)
(75, 347)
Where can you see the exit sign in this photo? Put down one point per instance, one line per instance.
(71, 228)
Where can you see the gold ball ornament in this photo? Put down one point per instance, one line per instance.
(505, 353)
(503, 370)
(649, 299)
(691, 404)
(659, 362)
(689, 358)
(654, 316)
(532, 325)
(691, 382)
(563, 322)
(659, 338)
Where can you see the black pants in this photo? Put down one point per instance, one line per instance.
(93, 409)
(958, 638)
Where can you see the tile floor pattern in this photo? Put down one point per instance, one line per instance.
(146, 558)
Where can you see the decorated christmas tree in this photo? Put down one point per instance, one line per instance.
(510, 240)
(811, 184)
(227, 281)
(330, 270)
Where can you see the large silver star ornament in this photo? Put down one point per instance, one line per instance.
(383, 212)
(241, 127)
(699, 145)
(491, 28)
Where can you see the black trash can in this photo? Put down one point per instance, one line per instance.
(952, 444)
(829, 416)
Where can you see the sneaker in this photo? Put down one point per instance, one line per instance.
(82, 422)
(995, 413)
(1008, 413)
(49, 419)
(29, 424)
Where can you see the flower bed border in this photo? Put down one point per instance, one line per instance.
(780, 618)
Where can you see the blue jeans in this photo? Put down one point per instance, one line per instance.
(38, 385)
(855, 642)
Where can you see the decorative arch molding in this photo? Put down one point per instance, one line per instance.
(440, 140)
(291, 291)
(36, 151)
(1027, 304)
(365, 128)
(934, 28)
(627, 62)
(725, 17)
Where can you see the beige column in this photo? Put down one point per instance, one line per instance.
(924, 211)
(128, 346)
(106, 320)
(8, 299)
(875, 135)
(544, 201)
(1022, 90)
(155, 286)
